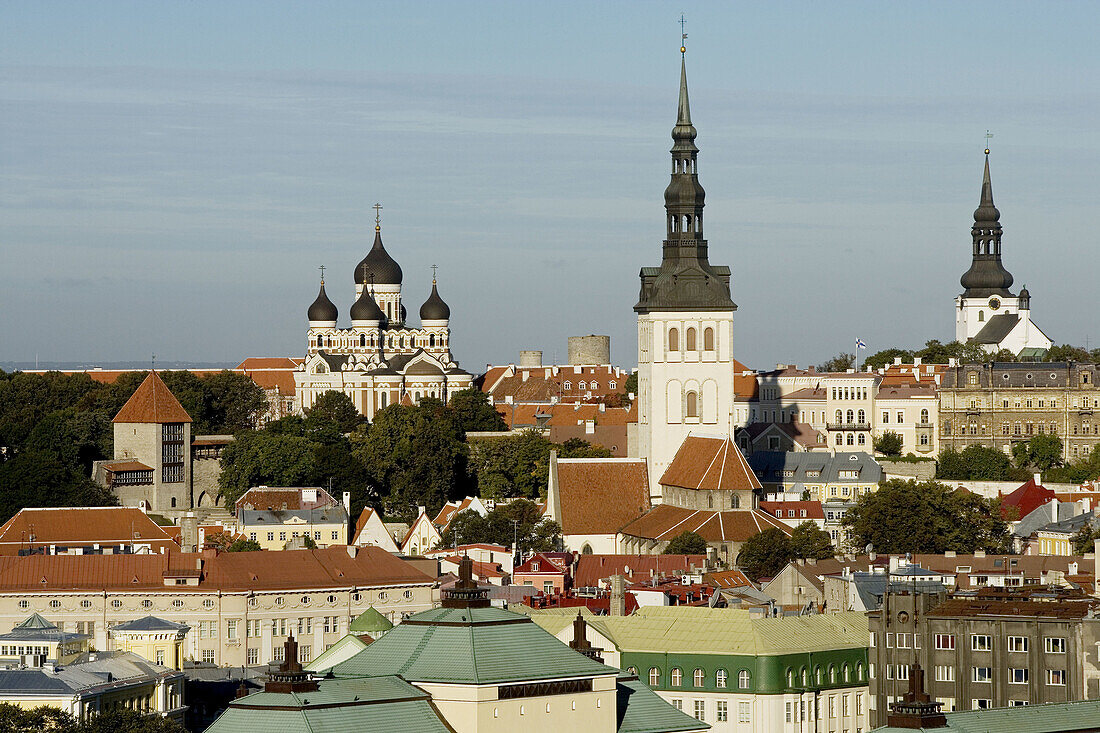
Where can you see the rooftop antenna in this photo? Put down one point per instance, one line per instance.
(683, 36)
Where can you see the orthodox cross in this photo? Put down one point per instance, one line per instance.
(433, 273)
(322, 269)
(377, 215)
(153, 361)
(683, 36)
(988, 137)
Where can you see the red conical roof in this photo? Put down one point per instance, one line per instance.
(152, 402)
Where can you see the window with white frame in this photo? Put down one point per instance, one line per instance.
(981, 642)
(981, 674)
(1056, 677)
(722, 713)
(744, 712)
(1055, 645)
(743, 679)
(945, 673)
(1018, 676)
(1017, 643)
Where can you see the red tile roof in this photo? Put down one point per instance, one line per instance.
(1025, 500)
(664, 522)
(728, 579)
(152, 402)
(705, 462)
(601, 495)
(80, 526)
(118, 466)
(812, 508)
(591, 569)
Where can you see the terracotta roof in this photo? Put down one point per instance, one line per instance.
(118, 466)
(213, 440)
(152, 402)
(728, 579)
(705, 462)
(274, 498)
(664, 522)
(268, 362)
(744, 382)
(1064, 608)
(448, 512)
(81, 526)
(360, 525)
(812, 508)
(1026, 499)
(330, 567)
(591, 569)
(553, 565)
(481, 569)
(601, 495)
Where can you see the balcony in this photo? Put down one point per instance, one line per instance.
(848, 426)
(925, 425)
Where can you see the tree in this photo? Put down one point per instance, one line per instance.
(1041, 452)
(810, 541)
(520, 520)
(232, 403)
(76, 438)
(1083, 539)
(474, 413)
(43, 719)
(334, 409)
(888, 444)
(261, 458)
(765, 554)
(974, 463)
(38, 479)
(886, 357)
(244, 545)
(686, 543)
(839, 363)
(1066, 352)
(519, 465)
(926, 517)
(129, 721)
(630, 387)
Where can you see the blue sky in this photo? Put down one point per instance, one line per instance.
(172, 174)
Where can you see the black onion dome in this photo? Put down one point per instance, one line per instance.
(366, 309)
(434, 309)
(378, 263)
(322, 308)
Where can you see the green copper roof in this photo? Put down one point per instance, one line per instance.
(371, 705)
(469, 646)
(694, 630)
(640, 710)
(370, 622)
(1055, 717)
(345, 648)
(37, 622)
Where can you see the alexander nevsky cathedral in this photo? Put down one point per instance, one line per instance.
(380, 359)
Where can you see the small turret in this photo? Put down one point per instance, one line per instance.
(365, 312)
(434, 309)
(322, 313)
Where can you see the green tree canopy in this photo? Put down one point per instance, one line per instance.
(974, 463)
(265, 459)
(839, 363)
(889, 443)
(77, 439)
(474, 413)
(686, 543)
(333, 409)
(1041, 452)
(926, 517)
(519, 465)
(886, 357)
(38, 479)
(519, 519)
(810, 541)
(765, 554)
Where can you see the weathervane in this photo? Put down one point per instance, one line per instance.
(683, 36)
(377, 216)
(988, 137)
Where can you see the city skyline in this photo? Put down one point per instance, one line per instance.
(174, 176)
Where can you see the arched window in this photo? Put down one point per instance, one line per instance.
(708, 339)
(847, 675)
(689, 340)
(710, 500)
(850, 416)
(320, 342)
(862, 440)
(382, 399)
(735, 502)
(981, 316)
(362, 339)
(567, 386)
(805, 677)
(593, 385)
(839, 416)
(677, 677)
(586, 549)
(611, 385)
(743, 678)
(692, 408)
(699, 678)
(580, 385)
(431, 339)
(924, 417)
(817, 675)
(861, 417)
(839, 439)
(851, 439)
(673, 339)
(832, 675)
(720, 678)
(654, 676)
(859, 671)
(790, 678)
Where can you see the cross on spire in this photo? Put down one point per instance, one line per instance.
(322, 269)
(377, 216)
(153, 361)
(683, 35)
(434, 267)
(988, 137)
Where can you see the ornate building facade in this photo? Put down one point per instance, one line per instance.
(685, 319)
(380, 359)
(988, 312)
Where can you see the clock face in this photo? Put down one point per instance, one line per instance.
(994, 304)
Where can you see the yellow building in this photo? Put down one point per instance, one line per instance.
(155, 639)
(45, 641)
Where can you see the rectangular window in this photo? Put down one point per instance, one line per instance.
(1018, 676)
(872, 640)
(945, 641)
(981, 642)
(832, 706)
(208, 656)
(305, 653)
(723, 712)
(885, 417)
(981, 674)
(903, 641)
(270, 536)
(787, 713)
(859, 703)
(277, 653)
(1056, 677)
(231, 629)
(1055, 645)
(903, 672)
(335, 535)
(981, 704)
(889, 641)
(158, 657)
(1017, 643)
(744, 712)
(945, 673)
(700, 710)
(1017, 703)
(253, 656)
(678, 704)
(844, 705)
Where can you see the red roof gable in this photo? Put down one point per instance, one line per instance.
(152, 402)
(1025, 499)
(706, 462)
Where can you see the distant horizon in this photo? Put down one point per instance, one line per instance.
(174, 174)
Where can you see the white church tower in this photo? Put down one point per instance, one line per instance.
(685, 319)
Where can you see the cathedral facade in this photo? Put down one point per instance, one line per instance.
(380, 359)
(685, 319)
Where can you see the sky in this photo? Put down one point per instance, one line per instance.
(172, 174)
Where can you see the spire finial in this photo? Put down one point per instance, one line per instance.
(377, 217)
(683, 36)
(153, 361)
(988, 137)
(322, 269)
(434, 267)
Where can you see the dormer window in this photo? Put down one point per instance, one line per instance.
(534, 567)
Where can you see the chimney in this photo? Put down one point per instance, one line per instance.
(617, 599)
(189, 533)
(347, 503)
(895, 561)
(352, 551)
(1038, 479)
(916, 361)
(897, 361)
(979, 553)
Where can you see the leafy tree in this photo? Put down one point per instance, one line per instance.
(927, 517)
(44, 719)
(1066, 352)
(335, 409)
(27, 398)
(839, 363)
(232, 403)
(474, 413)
(974, 463)
(76, 438)
(520, 520)
(38, 479)
(1084, 469)
(686, 543)
(630, 387)
(337, 467)
(129, 721)
(884, 358)
(810, 541)
(414, 455)
(243, 545)
(765, 554)
(1041, 452)
(308, 542)
(519, 465)
(889, 443)
(260, 458)
(1083, 539)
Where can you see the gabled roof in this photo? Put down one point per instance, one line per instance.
(995, 330)
(152, 402)
(82, 526)
(149, 623)
(601, 495)
(591, 569)
(1026, 499)
(664, 522)
(708, 463)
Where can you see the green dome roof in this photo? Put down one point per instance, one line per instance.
(370, 622)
